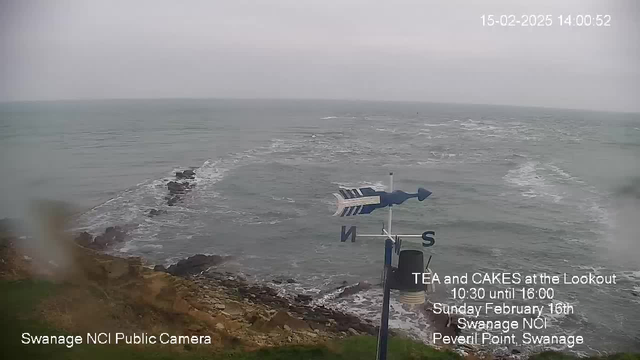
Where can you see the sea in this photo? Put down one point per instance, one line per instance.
(514, 190)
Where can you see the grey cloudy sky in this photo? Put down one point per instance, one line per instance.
(435, 51)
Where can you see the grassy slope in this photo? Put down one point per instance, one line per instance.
(18, 315)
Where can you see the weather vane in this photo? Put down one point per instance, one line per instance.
(364, 201)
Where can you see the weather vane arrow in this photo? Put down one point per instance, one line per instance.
(365, 200)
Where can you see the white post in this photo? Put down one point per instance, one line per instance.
(390, 206)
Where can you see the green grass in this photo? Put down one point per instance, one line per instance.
(19, 300)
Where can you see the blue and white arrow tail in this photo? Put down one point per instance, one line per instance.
(355, 201)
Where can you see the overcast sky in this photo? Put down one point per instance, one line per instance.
(434, 51)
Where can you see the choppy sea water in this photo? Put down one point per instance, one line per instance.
(514, 190)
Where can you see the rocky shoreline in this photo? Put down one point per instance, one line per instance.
(256, 313)
(293, 313)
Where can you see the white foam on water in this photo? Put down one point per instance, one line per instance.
(132, 205)
(556, 317)
(594, 269)
(285, 199)
(589, 200)
(272, 222)
(442, 155)
(527, 177)
(631, 275)
(329, 117)
(581, 241)
(496, 252)
(367, 304)
(564, 175)
(437, 125)
(153, 246)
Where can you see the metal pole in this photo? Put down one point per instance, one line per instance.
(390, 206)
(383, 333)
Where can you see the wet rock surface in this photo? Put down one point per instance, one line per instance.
(193, 265)
(112, 235)
(177, 190)
(298, 306)
(446, 324)
(186, 174)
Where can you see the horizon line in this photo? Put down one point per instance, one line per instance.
(316, 99)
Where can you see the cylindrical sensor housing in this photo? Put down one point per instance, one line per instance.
(410, 262)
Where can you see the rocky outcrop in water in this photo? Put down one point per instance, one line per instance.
(193, 265)
(178, 189)
(112, 235)
(186, 174)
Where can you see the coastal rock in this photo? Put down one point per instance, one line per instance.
(160, 268)
(186, 174)
(443, 323)
(316, 317)
(112, 235)
(177, 188)
(84, 239)
(195, 264)
(189, 173)
(283, 318)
